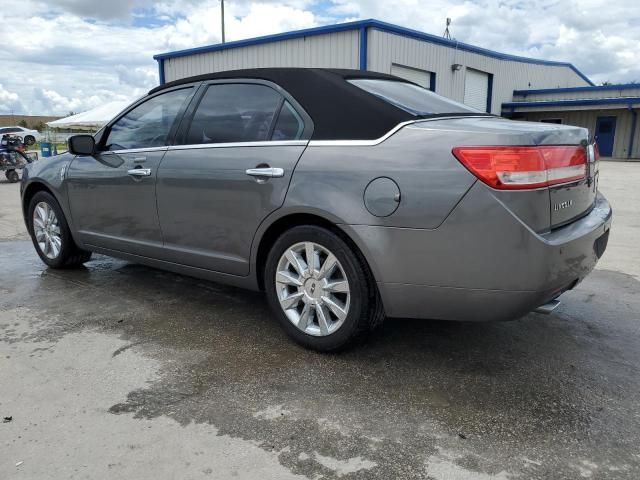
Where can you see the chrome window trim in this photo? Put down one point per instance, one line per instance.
(267, 143)
(377, 141)
(360, 143)
(134, 150)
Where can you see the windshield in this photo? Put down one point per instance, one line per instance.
(412, 98)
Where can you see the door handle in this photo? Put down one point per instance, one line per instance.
(139, 172)
(266, 172)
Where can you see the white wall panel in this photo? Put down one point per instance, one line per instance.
(341, 50)
(338, 50)
(384, 49)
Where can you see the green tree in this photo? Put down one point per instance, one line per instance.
(23, 123)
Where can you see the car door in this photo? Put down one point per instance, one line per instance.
(112, 193)
(239, 145)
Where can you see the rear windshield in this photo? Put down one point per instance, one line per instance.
(411, 98)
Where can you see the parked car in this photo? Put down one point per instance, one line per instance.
(28, 136)
(346, 196)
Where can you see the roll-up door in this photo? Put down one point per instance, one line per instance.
(421, 77)
(476, 89)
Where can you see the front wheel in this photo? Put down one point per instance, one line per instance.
(320, 289)
(51, 235)
(29, 140)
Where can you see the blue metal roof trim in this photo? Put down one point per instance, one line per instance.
(596, 88)
(371, 23)
(576, 102)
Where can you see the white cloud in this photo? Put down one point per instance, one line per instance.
(137, 77)
(79, 53)
(10, 101)
(106, 10)
(52, 101)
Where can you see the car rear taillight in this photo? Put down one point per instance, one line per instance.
(516, 168)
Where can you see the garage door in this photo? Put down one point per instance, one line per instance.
(421, 77)
(476, 89)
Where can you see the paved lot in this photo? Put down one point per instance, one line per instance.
(121, 371)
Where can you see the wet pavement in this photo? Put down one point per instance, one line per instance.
(122, 371)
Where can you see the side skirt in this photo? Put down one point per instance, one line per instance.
(248, 282)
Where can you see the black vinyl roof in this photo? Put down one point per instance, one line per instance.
(339, 110)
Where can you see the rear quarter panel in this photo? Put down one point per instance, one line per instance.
(333, 178)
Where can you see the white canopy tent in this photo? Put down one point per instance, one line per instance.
(92, 119)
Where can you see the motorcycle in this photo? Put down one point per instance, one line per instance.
(12, 157)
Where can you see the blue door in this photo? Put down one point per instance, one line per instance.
(605, 135)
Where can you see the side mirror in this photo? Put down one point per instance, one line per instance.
(82, 145)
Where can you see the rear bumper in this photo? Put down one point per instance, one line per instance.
(482, 264)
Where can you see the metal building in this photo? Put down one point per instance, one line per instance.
(610, 112)
(481, 78)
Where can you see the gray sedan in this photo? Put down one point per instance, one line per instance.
(346, 196)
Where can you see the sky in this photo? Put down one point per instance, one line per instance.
(59, 56)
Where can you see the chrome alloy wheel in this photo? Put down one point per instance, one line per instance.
(47, 230)
(312, 289)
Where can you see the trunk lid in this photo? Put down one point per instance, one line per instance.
(542, 208)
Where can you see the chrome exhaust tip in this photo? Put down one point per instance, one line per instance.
(548, 307)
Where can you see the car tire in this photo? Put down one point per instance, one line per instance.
(29, 140)
(12, 176)
(51, 235)
(319, 292)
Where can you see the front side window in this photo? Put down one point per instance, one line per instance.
(234, 112)
(411, 98)
(147, 125)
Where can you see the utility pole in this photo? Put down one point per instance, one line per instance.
(222, 17)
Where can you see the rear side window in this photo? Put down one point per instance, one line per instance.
(411, 98)
(147, 125)
(234, 113)
(289, 125)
